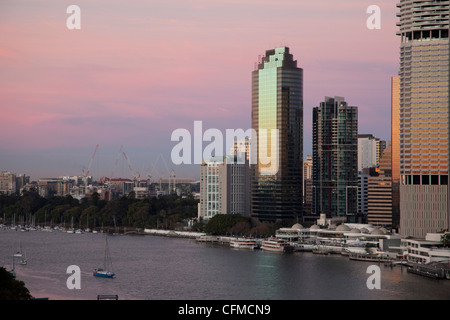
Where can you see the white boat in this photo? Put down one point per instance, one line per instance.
(71, 230)
(304, 247)
(19, 254)
(276, 245)
(244, 243)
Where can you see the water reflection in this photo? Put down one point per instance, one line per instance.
(150, 267)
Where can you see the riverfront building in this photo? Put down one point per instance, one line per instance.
(335, 159)
(424, 116)
(277, 113)
(224, 187)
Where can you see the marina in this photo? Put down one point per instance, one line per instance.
(159, 267)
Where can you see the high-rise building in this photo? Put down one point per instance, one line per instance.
(424, 116)
(335, 159)
(369, 148)
(277, 107)
(395, 150)
(363, 192)
(307, 184)
(379, 195)
(224, 187)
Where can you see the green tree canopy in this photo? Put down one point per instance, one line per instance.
(12, 289)
(223, 223)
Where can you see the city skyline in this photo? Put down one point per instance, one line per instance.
(136, 72)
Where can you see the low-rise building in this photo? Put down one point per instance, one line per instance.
(430, 249)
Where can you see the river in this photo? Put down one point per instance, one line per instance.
(162, 268)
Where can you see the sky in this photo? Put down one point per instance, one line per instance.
(137, 70)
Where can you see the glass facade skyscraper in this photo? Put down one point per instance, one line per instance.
(335, 159)
(424, 116)
(277, 107)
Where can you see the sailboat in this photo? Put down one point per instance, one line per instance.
(71, 230)
(106, 271)
(18, 254)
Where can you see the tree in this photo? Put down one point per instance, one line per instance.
(89, 216)
(262, 230)
(222, 223)
(242, 227)
(445, 239)
(12, 289)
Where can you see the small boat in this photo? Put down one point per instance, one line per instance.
(276, 245)
(244, 243)
(106, 271)
(103, 273)
(321, 251)
(19, 254)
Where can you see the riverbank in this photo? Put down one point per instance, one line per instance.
(361, 254)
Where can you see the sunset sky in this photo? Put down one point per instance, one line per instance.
(139, 69)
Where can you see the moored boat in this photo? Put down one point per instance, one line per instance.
(276, 245)
(244, 243)
(106, 271)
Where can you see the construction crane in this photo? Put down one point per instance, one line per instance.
(86, 174)
(115, 163)
(136, 175)
(172, 177)
(171, 174)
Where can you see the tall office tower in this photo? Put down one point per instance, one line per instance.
(363, 192)
(224, 187)
(395, 150)
(241, 146)
(380, 149)
(277, 106)
(368, 151)
(379, 195)
(335, 159)
(307, 184)
(424, 116)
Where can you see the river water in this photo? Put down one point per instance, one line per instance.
(160, 268)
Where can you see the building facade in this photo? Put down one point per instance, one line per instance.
(368, 146)
(424, 116)
(224, 187)
(7, 183)
(335, 159)
(379, 193)
(395, 150)
(307, 184)
(277, 107)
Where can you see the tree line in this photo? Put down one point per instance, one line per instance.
(166, 212)
(92, 212)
